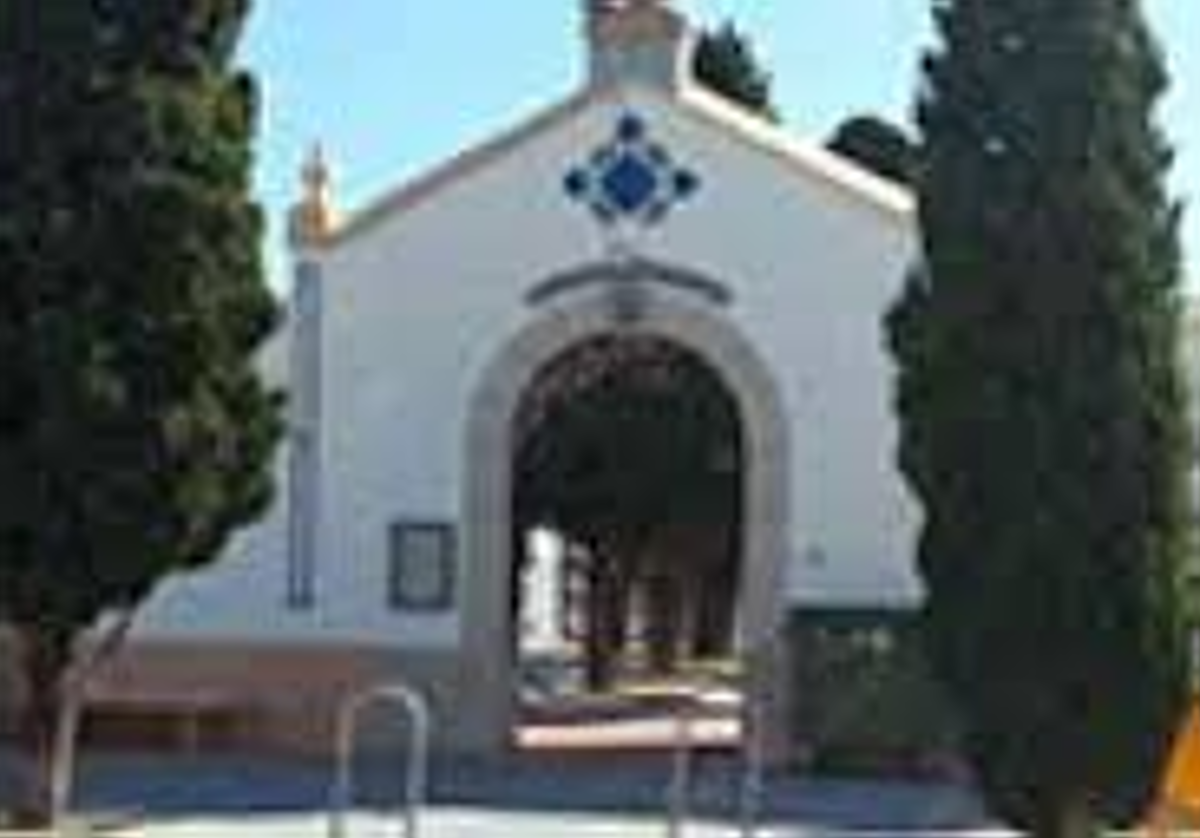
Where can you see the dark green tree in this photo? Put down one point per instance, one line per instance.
(623, 441)
(725, 62)
(1043, 407)
(878, 146)
(135, 435)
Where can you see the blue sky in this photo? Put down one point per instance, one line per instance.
(393, 86)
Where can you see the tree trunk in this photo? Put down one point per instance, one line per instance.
(716, 610)
(662, 624)
(597, 654)
(1070, 819)
(607, 605)
(45, 658)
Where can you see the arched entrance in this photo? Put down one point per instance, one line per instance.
(628, 500)
(594, 309)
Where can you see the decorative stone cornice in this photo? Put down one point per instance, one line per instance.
(646, 273)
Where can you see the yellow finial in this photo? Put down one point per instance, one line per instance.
(313, 218)
(315, 173)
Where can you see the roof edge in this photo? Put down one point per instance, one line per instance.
(812, 159)
(412, 192)
(881, 194)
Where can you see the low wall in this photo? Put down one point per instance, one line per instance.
(864, 699)
(268, 698)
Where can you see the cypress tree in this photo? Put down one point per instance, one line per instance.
(135, 436)
(1043, 409)
(725, 62)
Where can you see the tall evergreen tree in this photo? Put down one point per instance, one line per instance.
(725, 62)
(134, 432)
(1043, 407)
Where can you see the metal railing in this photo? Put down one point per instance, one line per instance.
(752, 785)
(752, 774)
(678, 796)
(683, 757)
(416, 710)
(64, 759)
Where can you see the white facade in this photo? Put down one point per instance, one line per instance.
(404, 307)
(419, 294)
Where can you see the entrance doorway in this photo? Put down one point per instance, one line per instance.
(489, 699)
(627, 498)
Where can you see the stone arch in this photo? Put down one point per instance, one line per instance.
(596, 309)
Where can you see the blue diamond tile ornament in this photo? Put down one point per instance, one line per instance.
(629, 184)
(631, 177)
(631, 128)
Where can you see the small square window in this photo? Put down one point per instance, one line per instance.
(421, 567)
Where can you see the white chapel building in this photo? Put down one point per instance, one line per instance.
(639, 205)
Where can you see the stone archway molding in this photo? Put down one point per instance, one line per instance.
(488, 698)
(633, 270)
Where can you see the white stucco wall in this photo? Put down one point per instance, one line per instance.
(418, 302)
(242, 595)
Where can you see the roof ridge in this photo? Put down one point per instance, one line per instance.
(809, 156)
(812, 159)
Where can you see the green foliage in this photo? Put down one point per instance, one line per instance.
(866, 700)
(630, 447)
(1043, 407)
(877, 145)
(134, 433)
(625, 437)
(725, 63)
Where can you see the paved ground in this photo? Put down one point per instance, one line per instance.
(221, 797)
(632, 728)
(466, 824)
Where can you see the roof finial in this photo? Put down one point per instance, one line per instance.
(595, 9)
(647, 41)
(313, 218)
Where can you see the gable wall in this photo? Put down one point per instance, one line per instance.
(418, 302)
